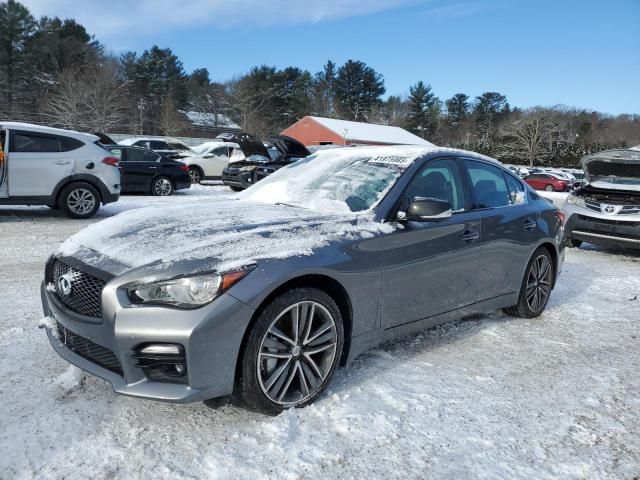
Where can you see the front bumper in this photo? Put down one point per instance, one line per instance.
(602, 229)
(211, 337)
(237, 178)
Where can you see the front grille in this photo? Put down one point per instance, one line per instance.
(618, 223)
(625, 210)
(89, 350)
(85, 296)
(592, 205)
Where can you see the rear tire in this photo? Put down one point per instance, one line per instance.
(291, 352)
(162, 187)
(549, 188)
(195, 175)
(536, 286)
(79, 200)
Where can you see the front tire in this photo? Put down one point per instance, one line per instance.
(162, 187)
(236, 189)
(79, 200)
(536, 286)
(291, 353)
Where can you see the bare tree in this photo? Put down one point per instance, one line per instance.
(92, 100)
(171, 122)
(526, 137)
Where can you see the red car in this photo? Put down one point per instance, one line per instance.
(548, 182)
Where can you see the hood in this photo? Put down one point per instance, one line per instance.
(249, 144)
(290, 147)
(613, 169)
(217, 235)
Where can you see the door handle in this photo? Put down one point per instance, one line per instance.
(469, 236)
(530, 224)
(62, 162)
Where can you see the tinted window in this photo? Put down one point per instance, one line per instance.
(156, 145)
(117, 152)
(67, 144)
(489, 187)
(517, 195)
(439, 179)
(23, 142)
(141, 144)
(220, 152)
(135, 155)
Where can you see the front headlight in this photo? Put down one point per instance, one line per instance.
(185, 292)
(575, 200)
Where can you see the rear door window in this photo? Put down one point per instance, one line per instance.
(488, 185)
(517, 195)
(157, 145)
(136, 155)
(32, 143)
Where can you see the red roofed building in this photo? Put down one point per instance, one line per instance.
(327, 131)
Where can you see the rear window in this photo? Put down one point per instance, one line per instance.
(156, 145)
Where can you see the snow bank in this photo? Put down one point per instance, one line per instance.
(72, 379)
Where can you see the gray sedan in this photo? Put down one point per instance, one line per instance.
(260, 297)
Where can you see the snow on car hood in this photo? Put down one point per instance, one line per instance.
(225, 234)
(613, 169)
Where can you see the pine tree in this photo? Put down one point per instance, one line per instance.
(424, 109)
(359, 89)
(17, 27)
(325, 95)
(457, 108)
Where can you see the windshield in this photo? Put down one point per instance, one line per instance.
(341, 180)
(177, 146)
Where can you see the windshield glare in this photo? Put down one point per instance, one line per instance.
(336, 182)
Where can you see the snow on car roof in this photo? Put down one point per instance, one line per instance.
(44, 129)
(371, 132)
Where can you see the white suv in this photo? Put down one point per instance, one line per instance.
(58, 168)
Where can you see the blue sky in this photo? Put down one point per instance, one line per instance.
(578, 53)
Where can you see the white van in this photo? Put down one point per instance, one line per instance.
(58, 168)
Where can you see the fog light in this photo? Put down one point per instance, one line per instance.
(162, 361)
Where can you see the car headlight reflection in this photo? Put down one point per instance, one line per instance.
(185, 292)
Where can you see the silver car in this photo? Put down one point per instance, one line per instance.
(259, 298)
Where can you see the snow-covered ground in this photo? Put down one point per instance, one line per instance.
(492, 397)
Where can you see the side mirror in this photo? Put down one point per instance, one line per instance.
(427, 209)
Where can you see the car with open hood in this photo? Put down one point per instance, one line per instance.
(261, 296)
(258, 162)
(605, 210)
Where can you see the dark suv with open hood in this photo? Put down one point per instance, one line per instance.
(606, 209)
(258, 163)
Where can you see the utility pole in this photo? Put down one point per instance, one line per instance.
(141, 106)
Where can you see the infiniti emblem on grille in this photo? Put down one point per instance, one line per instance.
(64, 284)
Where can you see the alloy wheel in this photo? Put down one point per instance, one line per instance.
(81, 201)
(163, 187)
(194, 175)
(297, 353)
(539, 283)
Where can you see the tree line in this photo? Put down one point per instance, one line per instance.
(53, 71)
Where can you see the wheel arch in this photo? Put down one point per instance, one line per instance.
(90, 179)
(553, 252)
(322, 282)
